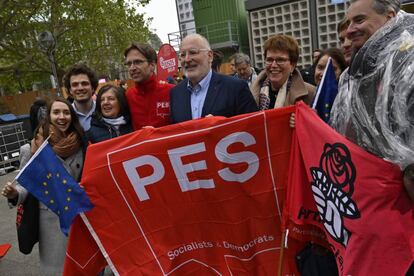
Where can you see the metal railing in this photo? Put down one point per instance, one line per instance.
(12, 137)
(220, 34)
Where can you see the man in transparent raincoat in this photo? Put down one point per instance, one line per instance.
(375, 105)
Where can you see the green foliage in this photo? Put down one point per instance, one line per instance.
(91, 31)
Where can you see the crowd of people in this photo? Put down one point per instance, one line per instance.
(374, 107)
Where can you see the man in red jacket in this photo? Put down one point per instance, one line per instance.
(149, 99)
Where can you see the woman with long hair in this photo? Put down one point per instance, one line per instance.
(62, 129)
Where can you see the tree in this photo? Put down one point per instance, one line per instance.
(95, 32)
(155, 41)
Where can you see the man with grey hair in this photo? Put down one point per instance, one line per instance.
(367, 16)
(244, 70)
(376, 109)
(205, 92)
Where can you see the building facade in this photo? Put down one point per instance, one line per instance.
(185, 16)
(312, 22)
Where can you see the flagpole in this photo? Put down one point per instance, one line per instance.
(281, 255)
(318, 92)
(45, 142)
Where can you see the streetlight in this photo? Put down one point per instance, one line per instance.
(47, 43)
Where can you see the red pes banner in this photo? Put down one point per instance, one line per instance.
(356, 198)
(201, 197)
(167, 63)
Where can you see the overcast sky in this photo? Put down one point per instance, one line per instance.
(164, 15)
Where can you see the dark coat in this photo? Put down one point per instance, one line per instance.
(226, 96)
(100, 131)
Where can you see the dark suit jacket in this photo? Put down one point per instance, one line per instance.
(226, 96)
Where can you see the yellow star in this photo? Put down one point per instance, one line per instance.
(64, 181)
(52, 201)
(57, 175)
(327, 105)
(49, 176)
(66, 208)
(44, 183)
(46, 192)
(68, 198)
(69, 190)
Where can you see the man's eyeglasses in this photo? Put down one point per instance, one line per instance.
(135, 62)
(191, 52)
(279, 61)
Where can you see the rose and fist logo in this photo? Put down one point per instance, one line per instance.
(332, 187)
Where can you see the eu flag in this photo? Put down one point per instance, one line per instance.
(326, 93)
(46, 178)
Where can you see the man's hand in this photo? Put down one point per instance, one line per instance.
(409, 180)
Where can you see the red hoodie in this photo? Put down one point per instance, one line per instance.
(149, 103)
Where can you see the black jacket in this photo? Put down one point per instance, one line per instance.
(100, 131)
(226, 96)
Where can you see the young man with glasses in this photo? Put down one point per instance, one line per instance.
(206, 92)
(148, 100)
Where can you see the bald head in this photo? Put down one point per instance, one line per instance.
(197, 37)
(196, 57)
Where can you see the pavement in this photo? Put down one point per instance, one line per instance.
(14, 263)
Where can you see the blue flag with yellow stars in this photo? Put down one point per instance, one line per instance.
(46, 178)
(326, 93)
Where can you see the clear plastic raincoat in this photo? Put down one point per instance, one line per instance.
(375, 104)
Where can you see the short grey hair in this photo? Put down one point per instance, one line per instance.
(382, 6)
(199, 37)
(241, 58)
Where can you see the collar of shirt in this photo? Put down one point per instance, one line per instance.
(89, 112)
(202, 85)
(85, 119)
(198, 95)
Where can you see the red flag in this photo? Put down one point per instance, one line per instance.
(83, 256)
(3, 249)
(364, 209)
(202, 197)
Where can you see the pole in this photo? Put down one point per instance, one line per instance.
(20, 85)
(47, 43)
(18, 76)
(282, 253)
(54, 71)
